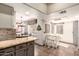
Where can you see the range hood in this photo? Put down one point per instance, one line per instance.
(31, 22)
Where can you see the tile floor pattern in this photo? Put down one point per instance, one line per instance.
(61, 51)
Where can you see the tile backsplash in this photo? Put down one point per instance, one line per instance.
(7, 34)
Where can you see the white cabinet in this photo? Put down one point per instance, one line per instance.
(6, 16)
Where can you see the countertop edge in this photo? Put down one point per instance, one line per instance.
(14, 42)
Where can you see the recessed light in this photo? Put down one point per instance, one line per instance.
(27, 13)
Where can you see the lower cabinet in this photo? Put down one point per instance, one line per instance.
(31, 49)
(25, 49)
(7, 52)
(21, 52)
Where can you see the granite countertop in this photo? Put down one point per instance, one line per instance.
(8, 43)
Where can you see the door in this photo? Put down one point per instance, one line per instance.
(75, 32)
(68, 32)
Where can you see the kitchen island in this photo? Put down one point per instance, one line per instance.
(18, 47)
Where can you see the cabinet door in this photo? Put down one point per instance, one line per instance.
(5, 9)
(6, 16)
(7, 51)
(21, 52)
(31, 49)
(26, 50)
(7, 54)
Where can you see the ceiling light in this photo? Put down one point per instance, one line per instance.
(62, 12)
(27, 13)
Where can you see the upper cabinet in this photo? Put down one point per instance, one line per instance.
(5, 9)
(6, 16)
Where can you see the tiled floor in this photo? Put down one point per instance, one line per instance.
(61, 51)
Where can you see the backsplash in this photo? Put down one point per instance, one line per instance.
(7, 33)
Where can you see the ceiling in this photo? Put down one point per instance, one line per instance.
(51, 7)
(54, 7)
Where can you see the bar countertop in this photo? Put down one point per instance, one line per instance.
(8, 43)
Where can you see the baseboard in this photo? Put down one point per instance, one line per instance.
(60, 42)
(66, 43)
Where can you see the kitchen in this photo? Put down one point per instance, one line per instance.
(39, 29)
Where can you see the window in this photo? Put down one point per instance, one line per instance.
(52, 27)
(47, 28)
(59, 28)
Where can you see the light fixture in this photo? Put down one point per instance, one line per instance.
(63, 11)
(27, 13)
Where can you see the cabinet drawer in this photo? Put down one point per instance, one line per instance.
(21, 46)
(7, 54)
(11, 49)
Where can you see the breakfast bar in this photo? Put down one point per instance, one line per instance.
(18, 47)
